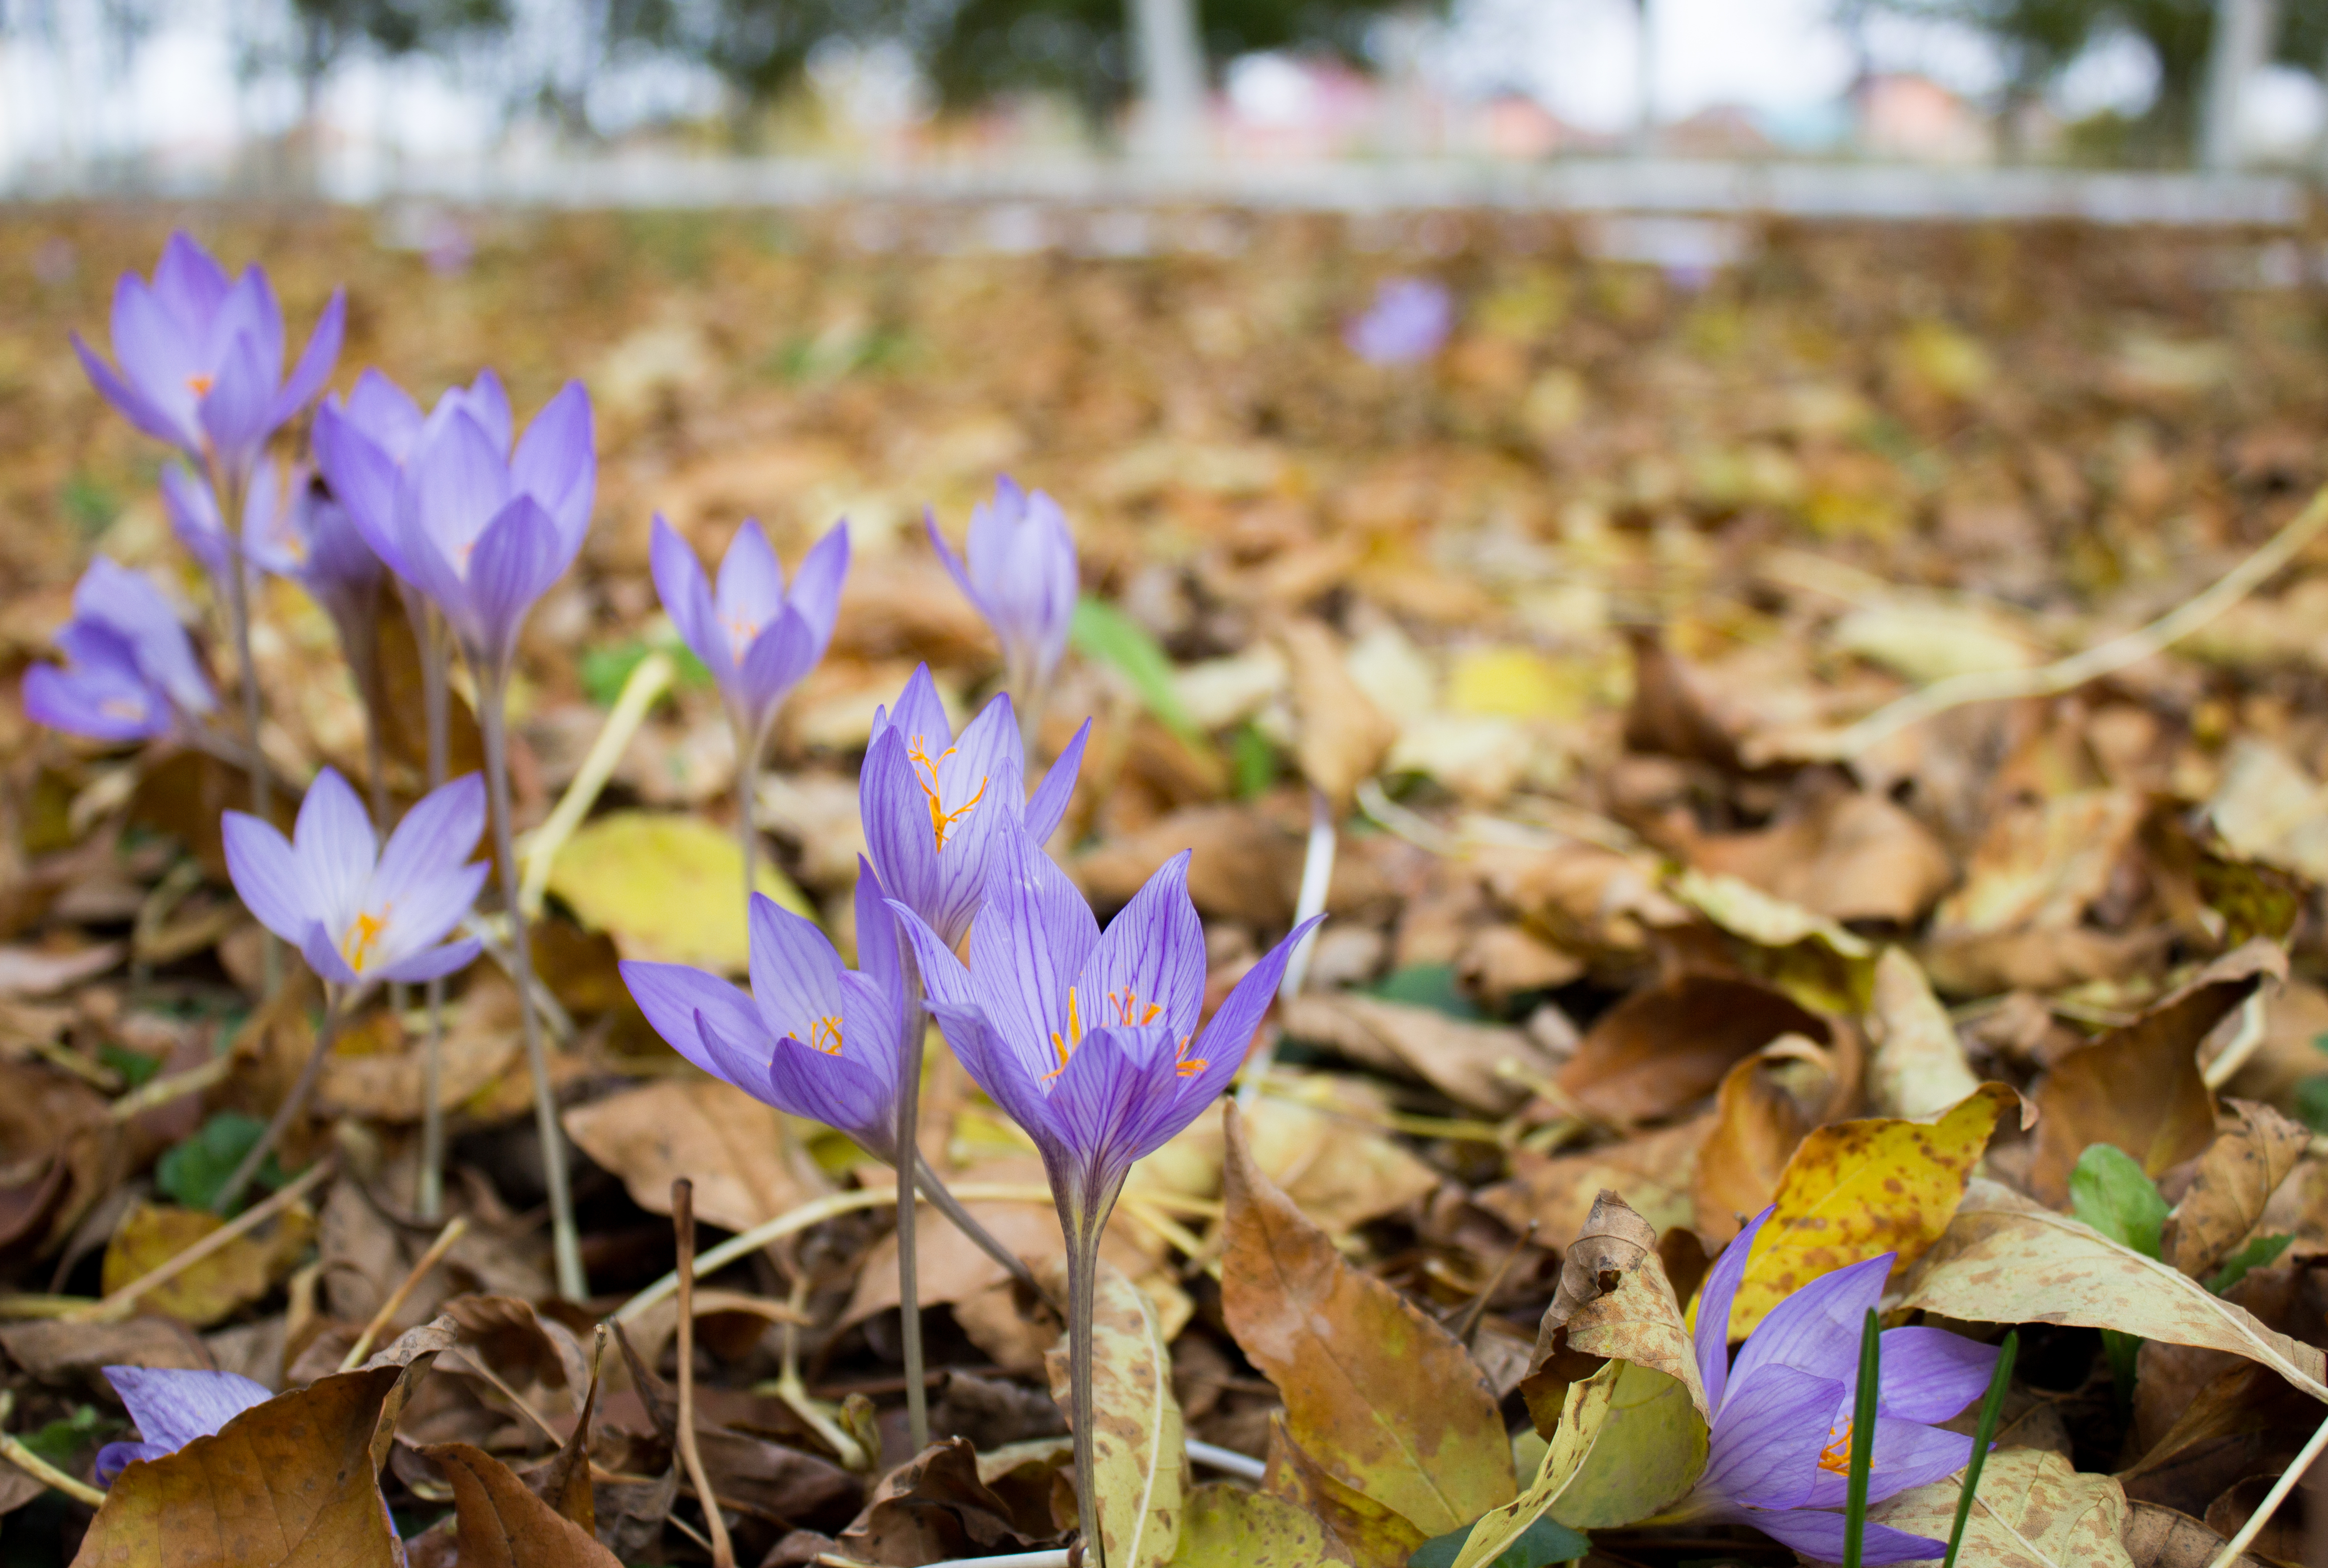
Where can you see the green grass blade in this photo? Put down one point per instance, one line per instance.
(1992, 1406)
(1862, 1442)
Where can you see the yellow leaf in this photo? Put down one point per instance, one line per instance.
(665, 886)
(1651, 1451)
(234, 1276)
(1517, 683)
(2034, 1511)
(1582, 1417)
(1228, 1526)
(1137, 1444)
(1857, 1188)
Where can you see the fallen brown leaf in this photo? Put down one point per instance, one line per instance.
(504, 1524)
(730, 1145)
(1664, 1048)
(2235, 1179)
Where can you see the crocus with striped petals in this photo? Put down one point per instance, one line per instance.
(757, 639)
(363, 443)
(357, 914)
(172, 1408)
(935, 808)
(813, 1038)
(130, 672)
(1779, 1457)
(202, 359)
(1021, 575)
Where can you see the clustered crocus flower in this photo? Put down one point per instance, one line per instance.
(1779, 1457)
(130, 673)
(357, 914)
(1021, 576)
(1408, 323)
(1089, 1040)
(757, 640)
(172, 1408)
(202, 359)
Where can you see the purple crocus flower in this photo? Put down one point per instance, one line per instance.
(1407, 324)
(202, 358)
(172, 1408)
(1780, 1454)
(1089, 1039)
(936, 808)
(357, 915)
(812, 1038)
(1021, 575)
(130, 672)
(291, 527)
(478, 527)
(757, 640)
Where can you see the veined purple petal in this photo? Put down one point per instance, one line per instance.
(315, 361)
(1817, 1328)
(995, 1067)
(1103, 1099)
(1225, 1039)
(1049, 802)
(673, 997)
(1022, 564)
(107, 702)
(1711, 1335)
(876, 935)
(1930, 1375)
(385, 415)
(1148, 965)
(363, 475)
(953, 563)
(266, 875)
(434, 963)
(919, 715)
(333, 839)
(751, 592)
(141, 410)
(795, 975)
(776, 663)
(518, 557)
(158, 357)
(1907, 1453)
(321, 950)
(1034, 935)
(172, 1408)
(488, 403)
(816, 587)
(1819, 1538)
(188, 280)
(556, 463)
(425, 915)
(116, 1456)
(233, 411)
(943, 978)
(847, 1092)
(1767, 1437)
(456, 483)
(248, 310)
(895, 809)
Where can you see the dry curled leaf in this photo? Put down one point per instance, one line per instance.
(2236, 1177)
(503, 1524)
(1383, 1397)
(1344, 736)
(730, 1145)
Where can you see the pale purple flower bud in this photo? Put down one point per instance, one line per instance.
(1021, 575)
(357, 914)
(202, 358)
(1779, 1457)
(1408, 323)
(758, 640)
(172, 1408)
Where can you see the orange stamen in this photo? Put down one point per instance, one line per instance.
(824, 1035)
(1837, 1456)
(201, 384)
(362, 936)
(1075, 1037)
(926, 774)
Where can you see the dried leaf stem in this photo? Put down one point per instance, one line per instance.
(39, 1469)
(2271, 1499)
(565, 1244)
(683, 1222)
(396, 1298)
(294, 1106)
(121, 1303)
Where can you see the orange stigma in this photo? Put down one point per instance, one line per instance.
(362, 936)
(202, 384)
(824, 1035)
(1129, 1013)
(1837, 1456)
(926, 774)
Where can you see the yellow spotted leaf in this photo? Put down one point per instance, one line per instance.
(1137, 1443)
(1583, 1415)
(234, 1276)
(664, 885)
(1857, 1188)
(1228, 1526)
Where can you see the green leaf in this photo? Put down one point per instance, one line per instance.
(1542, 1542)
(604, 668)
(1863, 1439)
(1991, 1406)
(136, 1067)
(2110, 1192)
(63, 1442)
(2260, 1253)
(1255, 762)
(190, 1174)
(2311, 1101)
(1102, 631)
(1431, 985)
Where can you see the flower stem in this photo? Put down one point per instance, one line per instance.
(566, 1245)
(908, 1151)
(437, 706)
(945, 1203)
(1082, 1233)
(229, 495)
(1863, 1440)
(1991, 1408)
(294, 1106)
(748, 835)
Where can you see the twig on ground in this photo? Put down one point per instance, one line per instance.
(381, 1319)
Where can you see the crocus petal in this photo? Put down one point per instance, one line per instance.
(1819, 1538)
(266, 875)
(234, 410)
(437, 836)
(995, 1067)
(943, 974)
(919, 715)
(488, 403)
(333, 841)
(796, 972)
(248, 310)
(751, 591)
(1711, 1335)
(321, 951)
(194, 518)
(107, 704)
(140, 410)
(116, 1456)
(686, 597)
(1148, 965)
(1034, 935)
(1930, 1375)
(1907, 1453)
(1049, 802)
(1817, 1328)
(838, 1091)
(556, 463)
(188, 280)
(315, 361)
(172, 1408)
(518, 557)
(816, 587)
(159, 358)
(776, 663)
(1222, 1047)
(877, 934)
(385, 414)
(897, 834)
(433, 963)
(675, 997)
(1098, 1100)
(1767, 1437)
(457, 482)
(363, 475)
